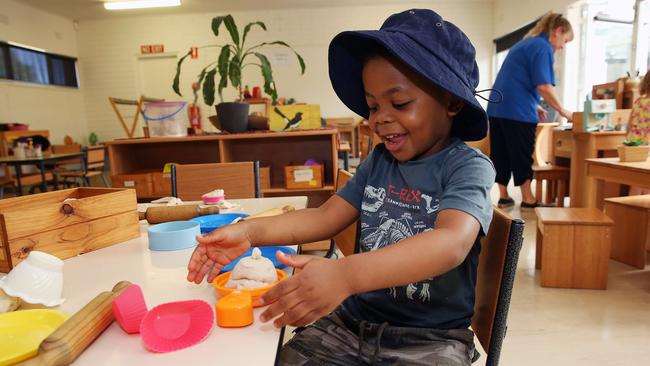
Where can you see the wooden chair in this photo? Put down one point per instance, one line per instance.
(92, 166)
(238, 180)
(495, 278)
(130, 131)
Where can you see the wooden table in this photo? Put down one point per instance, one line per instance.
(162, 277)
(612, 170)
(579, 146)
(42, 162)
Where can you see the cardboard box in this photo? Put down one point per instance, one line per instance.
(66, 223)
(265, 177)
(303, 176)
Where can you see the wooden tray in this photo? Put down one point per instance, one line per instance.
(66, 223)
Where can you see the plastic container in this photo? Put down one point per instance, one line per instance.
(235, 310)
(213, 222)
(219, 284)
(23, 331)
(130, 308)
(176, 325)
(173, 235)
(267, 252)
(166, 119)
(36, 280)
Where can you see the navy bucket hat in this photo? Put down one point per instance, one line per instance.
(429, 45)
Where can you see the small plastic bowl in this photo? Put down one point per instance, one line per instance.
(129, 308)
(213, 222)
(173, 235)
(219, 283)
(36, 280)
(212, 200)
(235, 310)
(176, 325)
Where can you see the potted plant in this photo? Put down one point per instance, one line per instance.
(233, 58)
(633, 150)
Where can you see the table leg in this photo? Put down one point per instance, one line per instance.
(41, 167)
(599, 197)
(19, 187)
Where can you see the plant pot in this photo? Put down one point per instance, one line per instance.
(633, 153)
(233, 116)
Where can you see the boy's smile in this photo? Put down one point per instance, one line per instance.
(408, 113)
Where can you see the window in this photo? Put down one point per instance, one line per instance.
(32, 66)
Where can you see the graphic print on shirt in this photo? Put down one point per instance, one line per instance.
(390, 215)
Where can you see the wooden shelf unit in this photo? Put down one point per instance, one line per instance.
(273, 149)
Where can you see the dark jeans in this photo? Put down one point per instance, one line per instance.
(511, 149)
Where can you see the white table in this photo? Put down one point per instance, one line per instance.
(162, 277)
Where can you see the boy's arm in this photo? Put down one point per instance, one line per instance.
(303, 226)
(323, 284)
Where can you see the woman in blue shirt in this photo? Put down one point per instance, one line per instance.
(526, 74)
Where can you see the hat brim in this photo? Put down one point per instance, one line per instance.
(348, 51)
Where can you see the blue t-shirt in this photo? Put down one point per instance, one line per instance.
(397, 200)
(529, 63)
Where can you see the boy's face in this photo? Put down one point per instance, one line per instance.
(406, 111)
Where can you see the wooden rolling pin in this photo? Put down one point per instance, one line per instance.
(158, 214)
(271, 212)
(66, 344)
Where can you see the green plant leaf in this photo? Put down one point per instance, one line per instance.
(208, 87)
(269, 84)
(300, 59)
(229, 21)
(247, 29)
(176, 82)
(222, 66)
(234, 71)
(633, 142)
(216, 23)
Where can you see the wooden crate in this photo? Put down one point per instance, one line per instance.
(303, 176)
(161, 184)
(66, 223)
(633, 153)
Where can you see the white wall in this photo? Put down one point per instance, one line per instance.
(109, 50)
(59, 109)
(512, 14)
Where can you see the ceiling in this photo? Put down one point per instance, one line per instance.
(94, 9)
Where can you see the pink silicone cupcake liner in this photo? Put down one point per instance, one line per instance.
(130, 308)
(176, 325)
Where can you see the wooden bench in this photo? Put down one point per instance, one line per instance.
(573, 246)
(630, 237)
(557, 180)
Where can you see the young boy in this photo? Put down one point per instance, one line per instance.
(422, 198)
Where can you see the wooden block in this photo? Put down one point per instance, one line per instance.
(630, 234)
(633, 153)
(575, 247)
(65, 223)
(303, 176)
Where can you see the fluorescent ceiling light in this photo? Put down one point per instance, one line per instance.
(140, 4)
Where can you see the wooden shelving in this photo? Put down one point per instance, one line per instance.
(272, 149)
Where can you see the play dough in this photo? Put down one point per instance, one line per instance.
(252, 272)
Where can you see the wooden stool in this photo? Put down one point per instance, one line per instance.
(630, 237)
(557, 179)
(573, 247)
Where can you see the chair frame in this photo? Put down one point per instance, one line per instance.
(256, 174)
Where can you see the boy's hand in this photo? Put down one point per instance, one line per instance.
(309, 295)
(215, 250)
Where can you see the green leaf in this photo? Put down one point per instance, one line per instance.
(216, 23)
(248, 27)
(229, 21)
(223, 83)
(208, 87)
(175, 84)
(234, 71)
(633, 142)
(269, 85)
(198, 82)
(224, 58)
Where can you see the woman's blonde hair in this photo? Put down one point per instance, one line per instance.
(644, 87)
(548, 24)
